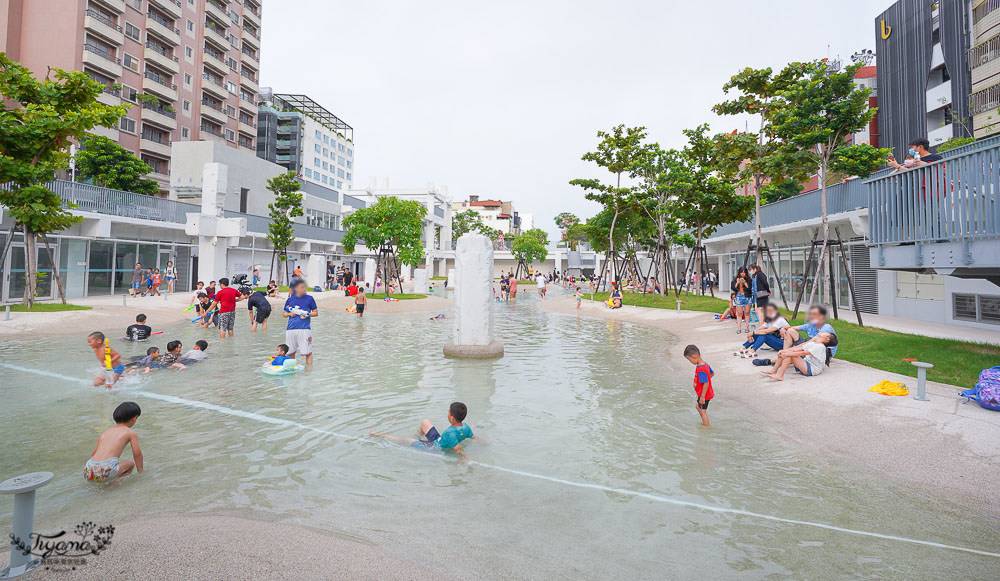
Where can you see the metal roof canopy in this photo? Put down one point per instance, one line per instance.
(317, 112)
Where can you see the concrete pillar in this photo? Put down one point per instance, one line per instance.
(370, 273)
(315, 270)
(420, 281)
(474, 300)
(450, 283)
(215, 233)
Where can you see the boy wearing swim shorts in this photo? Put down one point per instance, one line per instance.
(702, 382)
(430, 439)
(110, 360)
(104, 464)
(298, 332)
(360, 302)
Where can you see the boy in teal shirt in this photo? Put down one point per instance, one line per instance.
(430, 439)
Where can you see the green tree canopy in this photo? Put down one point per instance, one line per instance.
(38, 120)
(110, 165)
(287, 204)
(531, 246)
(390, 223)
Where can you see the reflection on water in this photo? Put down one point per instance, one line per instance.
(574, 399)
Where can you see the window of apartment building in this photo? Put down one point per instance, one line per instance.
(350, 153)
(185, 132)
(132, 31)
(191, 2)
(129, 94)
(340, 160)
(233, 64)
(348, 164)
(325, 166)
(232, 88)
(188, 52)
(127, 125)
(316, 161)
(187, 106)
(326, 152)
(340, 184)
(130, 62)
(187, 79)
(340, 173)
(190, 26)
(341, 146)
(317, 148)
(309, 173)
(231, 111)
(348, 176)
(324, 179)
(319, 135)
(230, 135)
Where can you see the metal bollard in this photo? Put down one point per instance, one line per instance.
(921, 379)
(23, 488)
(6, 313)
(123, 299)
(678, 306)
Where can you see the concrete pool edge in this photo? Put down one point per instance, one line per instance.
(943, 445)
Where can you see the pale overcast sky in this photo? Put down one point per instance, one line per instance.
(501, 99)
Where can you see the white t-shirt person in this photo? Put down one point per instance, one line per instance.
(541, 282)
(816, 356)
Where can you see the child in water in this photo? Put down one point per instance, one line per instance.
(109, 359)
(104, 464)
(702, 382)
(579, 298)
(360, 302)
(430, 439)
(280, 355)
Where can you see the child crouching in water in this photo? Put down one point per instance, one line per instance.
(702, 381)
(104, 464)
(430, 439)
(109, 359)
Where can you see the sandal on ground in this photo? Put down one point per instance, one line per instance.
(749, 354)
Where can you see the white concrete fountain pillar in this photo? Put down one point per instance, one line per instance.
(215, 233)
(473, 300)
(370, 273)
(420, 281)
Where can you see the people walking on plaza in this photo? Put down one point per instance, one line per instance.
(743, 302)
(170, 274)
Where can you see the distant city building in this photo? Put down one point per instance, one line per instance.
(299, 134)
(190, 69)
(495, 214)
(923, 72)
(984, 103)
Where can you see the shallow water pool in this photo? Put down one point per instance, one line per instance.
(592, 464)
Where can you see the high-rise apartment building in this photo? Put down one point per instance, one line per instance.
(296, 132)
(190, 67)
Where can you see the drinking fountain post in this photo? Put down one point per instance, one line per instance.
(921, 379)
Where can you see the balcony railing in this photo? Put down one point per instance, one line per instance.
(160, 49)
(215, 28)
(215, 54)
(158, 78)
(951, 200)
(212, 79)
(156, 17)
(90, 198)
(156, 108)
(104, 18)
(160, 138)
(249, 76)
(216, 131)
(101, 52)
(247, 121)
(252, 32)
(212, 105)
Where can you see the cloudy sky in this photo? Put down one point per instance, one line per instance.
(501, 99)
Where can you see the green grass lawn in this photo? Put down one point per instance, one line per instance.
(955, 362)
(264, 288)
(400, 296)
(439, 278)
(47, 308)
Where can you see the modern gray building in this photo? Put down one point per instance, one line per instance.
(923, 75)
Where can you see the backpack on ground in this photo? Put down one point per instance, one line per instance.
(987, 390)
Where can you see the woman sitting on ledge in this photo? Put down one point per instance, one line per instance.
(615, 302)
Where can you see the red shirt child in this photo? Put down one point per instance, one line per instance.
(702, 381)
(226, 297)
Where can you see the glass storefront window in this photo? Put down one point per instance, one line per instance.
(125, 259)
(100, 268)
(73, 266)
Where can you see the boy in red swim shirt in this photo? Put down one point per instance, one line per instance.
(702, 381)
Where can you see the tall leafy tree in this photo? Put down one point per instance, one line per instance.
(530, 246)
(760, 93)
(287, 204)
(38, 120)
(110, 165)
(564, 221)
(703, 186)
(617, 152)
(393, 228)
(653, 197)
(824, 109)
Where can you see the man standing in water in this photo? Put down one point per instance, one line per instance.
(299, 309)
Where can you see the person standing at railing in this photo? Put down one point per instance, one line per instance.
(918, 148)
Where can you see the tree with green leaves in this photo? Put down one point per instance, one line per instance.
(529, 247)
(393, 228)
(702, 186)
(654, 166)
(771, 193)
(576, 234)
(759, 93)
(824, 109)
(564, 221)
(38, 120)
(110, 165)
(287, 204)
(471, 221)
(617, 152)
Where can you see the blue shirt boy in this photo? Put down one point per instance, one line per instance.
(453, 436)
(307, 304)
(812, 331)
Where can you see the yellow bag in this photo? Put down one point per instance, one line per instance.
(886, 387)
